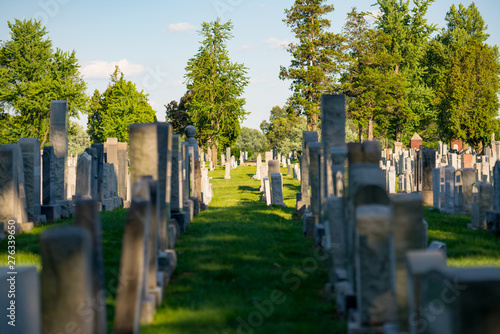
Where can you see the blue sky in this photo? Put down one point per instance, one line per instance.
(152, 40)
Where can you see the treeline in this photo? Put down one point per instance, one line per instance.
(400, 74)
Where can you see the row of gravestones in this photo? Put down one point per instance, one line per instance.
(403, 166)
(271, 178)
(72, 279)
(384, 277)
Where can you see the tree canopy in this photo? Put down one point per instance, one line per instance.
(121, 105)
(216, 85)
(31, 75)
(464, 72)
(313, 68)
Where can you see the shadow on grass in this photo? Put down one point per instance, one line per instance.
(232, 258)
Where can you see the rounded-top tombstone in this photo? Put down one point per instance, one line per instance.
(190, 132)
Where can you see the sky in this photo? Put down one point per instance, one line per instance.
(152, 40)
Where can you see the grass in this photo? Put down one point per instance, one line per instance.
(243, 265)
(465, 248)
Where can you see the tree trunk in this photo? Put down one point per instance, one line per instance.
(479, 148)
(398, 136)
(360, 133)
(42, 144)
(370, 129)
(312, 122)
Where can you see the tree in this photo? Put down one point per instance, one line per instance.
(216, 85)
(409, 35)
(252, 139)
(118, 107)
(284, 130)
(78, 139)
(368, 81)
(32, 74)
(464, 71)
(177, 113)
(313, 68)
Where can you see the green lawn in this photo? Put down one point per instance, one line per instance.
(244, 267)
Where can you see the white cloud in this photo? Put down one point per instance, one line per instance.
(275, 43)
(260, 79)
(247, 46)
(262, 5)
(373, 15)
(181, 27)
(101, 69)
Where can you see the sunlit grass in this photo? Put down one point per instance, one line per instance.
(238, 253)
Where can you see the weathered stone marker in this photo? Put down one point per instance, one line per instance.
(66, 280)
(87, 216)
(132, 263)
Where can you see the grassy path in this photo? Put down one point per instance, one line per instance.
(246, 268)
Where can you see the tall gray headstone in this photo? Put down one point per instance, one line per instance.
(59, 141)
(176, 182)
(66, 279)
(132, 265)
(87, 216)
(333, 131)
(374, 263)
(100, 171)
(148, 147)
(25, 315)
(410, 233)
(30, 148)
(277, 189)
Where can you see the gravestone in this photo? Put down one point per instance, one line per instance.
(148, 189)
(87, 216)
(100, 169)
(83, 177)
(190, 132)
(307, 136)
(410, 233)
(50, 209)
(267, 191)
(66, 279)
(482, 204)
(227, 175)
(449, 190)
(30, 148)
(332, 135)
(426, 164)
(277, 189)
(122, 155)
(132, 268)
(94, 170)
(273, 167)
(13, 204)
(257, 168)
(151, 161)
(27, 313)
(59, 142)
(375, 292)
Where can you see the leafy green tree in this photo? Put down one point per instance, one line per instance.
(409, 33)
(464, 72)
(119, 106)
(284, 130)
(177, 113)
(78, 139)
(252, 139)
(368, 81)
(32, 74)
(313, 67)
(216, 85)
